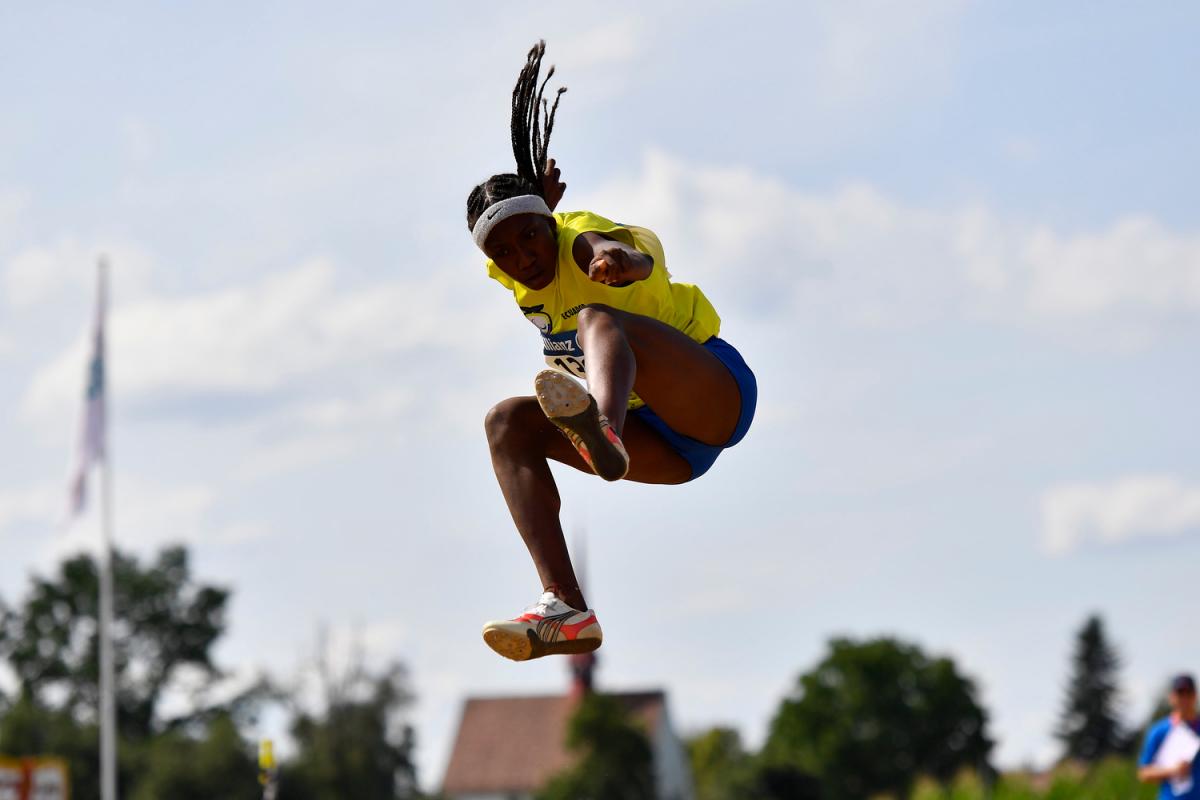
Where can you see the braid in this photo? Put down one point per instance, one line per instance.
(530, 144)
(530, 139)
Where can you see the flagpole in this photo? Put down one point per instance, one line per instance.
(108, 705)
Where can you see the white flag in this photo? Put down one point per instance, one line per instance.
(91, 428)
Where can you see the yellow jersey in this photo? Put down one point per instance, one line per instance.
(554, 309)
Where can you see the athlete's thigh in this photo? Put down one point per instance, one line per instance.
(686, 385)
(651, 459)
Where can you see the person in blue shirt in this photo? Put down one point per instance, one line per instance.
(1183, 711)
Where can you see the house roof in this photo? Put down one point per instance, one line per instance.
(516, 744)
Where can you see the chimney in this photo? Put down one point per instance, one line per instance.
(583, 669)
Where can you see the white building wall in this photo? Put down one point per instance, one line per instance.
(672, 770)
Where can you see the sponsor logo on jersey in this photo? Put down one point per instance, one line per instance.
(551, 346)
(564, 343)
(540, 319)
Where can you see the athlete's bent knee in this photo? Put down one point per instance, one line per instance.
(594, 313)
(501, 419)
(508, 421)
(597, 317)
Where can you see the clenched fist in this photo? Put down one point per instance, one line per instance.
(617, 265)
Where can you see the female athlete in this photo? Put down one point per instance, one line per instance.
(664, 394)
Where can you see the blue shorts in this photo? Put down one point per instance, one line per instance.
(700, 455)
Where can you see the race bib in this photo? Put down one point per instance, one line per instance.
(562, 353)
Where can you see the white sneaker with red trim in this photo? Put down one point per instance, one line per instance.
(548, 627)
(569, 406)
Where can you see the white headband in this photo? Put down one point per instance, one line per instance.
(497, 213)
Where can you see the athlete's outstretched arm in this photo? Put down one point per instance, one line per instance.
(606, 260)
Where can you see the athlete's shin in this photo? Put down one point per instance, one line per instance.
(518, 433)
(612, 367)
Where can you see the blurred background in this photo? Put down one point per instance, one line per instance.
(958, 243)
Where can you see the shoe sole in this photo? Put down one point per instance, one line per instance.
(569, 406)
(517, 647)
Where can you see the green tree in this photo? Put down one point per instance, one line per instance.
(1115, 778)
(721, 768)
(164, 621)
(29, 728)
(214, 763)
(873, 715)
(358, 744)
(1112, 779)
(780, 782)
(1090, 727)
(615, 759)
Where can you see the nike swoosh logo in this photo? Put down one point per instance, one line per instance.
(494, 213)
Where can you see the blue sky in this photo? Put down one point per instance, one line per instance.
(958, 243)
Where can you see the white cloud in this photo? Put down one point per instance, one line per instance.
(240, 533)
(1133, 507)
(766, 251)
(873, 260)
(320, 430)
(369, 411)
(33, 504)
(147, 515)
(304, 449)
(12, 206)
(771, 249)
(1135, 263)
(36, 274)
(269, 335)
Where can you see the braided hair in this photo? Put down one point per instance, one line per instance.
(530, 139)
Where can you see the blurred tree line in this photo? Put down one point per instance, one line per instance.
(354, 743)
(879, 718)
(875, 718)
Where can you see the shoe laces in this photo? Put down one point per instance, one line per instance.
(543, 605)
